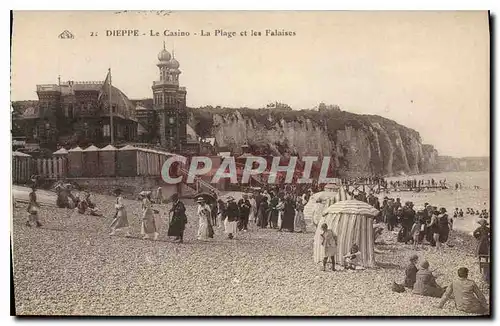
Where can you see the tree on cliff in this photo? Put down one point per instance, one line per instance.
(278, 105)
(322, 107)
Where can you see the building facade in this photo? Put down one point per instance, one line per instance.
(76, 113)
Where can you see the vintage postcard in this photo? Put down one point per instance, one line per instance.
(267, 163)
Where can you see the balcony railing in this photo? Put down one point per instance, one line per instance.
(165, 82)
(48, 88)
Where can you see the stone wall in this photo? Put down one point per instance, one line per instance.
(131, 186)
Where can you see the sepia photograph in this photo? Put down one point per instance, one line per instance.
(250, 163)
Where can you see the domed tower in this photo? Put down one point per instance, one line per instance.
(169, 101)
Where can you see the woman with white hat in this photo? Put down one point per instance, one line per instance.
(149, 226)
(120, 221)
(205, 230)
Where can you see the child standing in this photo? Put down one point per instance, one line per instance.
(33, 208)
(415, 231)
(329, 246)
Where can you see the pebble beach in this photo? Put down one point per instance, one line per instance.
(71, 266)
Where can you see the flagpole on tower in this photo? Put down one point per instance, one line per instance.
(111, 129)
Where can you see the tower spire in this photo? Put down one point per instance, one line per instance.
(164, 48)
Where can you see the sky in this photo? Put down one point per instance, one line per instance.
(426, 70)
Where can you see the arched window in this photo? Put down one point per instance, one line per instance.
(86, 129)
(47, 129)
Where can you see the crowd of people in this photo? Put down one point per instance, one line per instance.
(416, 184)
(283, 211)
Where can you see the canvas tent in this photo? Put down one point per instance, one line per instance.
(21, 167)
(352, 222)
(319, 201)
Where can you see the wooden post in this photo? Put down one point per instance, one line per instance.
(44, 167)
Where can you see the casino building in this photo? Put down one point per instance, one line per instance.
(77, 113)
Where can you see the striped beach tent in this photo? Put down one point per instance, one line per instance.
(352, 222)
(319, 201)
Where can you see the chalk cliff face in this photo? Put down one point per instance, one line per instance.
(359, 144)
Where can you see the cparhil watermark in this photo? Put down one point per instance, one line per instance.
(295, 170)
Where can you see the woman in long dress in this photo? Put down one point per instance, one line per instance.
(120, 221)
(300, 222)
(253, 208)
(178, 220)
(288, 219)
(205, 230)
(149, 226)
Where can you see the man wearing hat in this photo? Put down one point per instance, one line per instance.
(232, 215)
(178, 219)
(244, 206)
(391, 215)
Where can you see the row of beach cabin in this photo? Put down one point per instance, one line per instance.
(91, 162)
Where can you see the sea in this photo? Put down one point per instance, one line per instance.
(466, 197)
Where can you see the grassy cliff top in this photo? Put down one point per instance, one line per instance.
(330, 119)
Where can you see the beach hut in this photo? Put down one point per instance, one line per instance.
(75, 162)
(61, 152)
(21, 167)
(126, 161)
(20, 154)
(91, 161)
(352, 222)
(107, 161)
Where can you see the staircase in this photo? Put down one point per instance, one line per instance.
(199, 184)
(257, 178)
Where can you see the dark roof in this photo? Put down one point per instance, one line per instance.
(125, 107)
